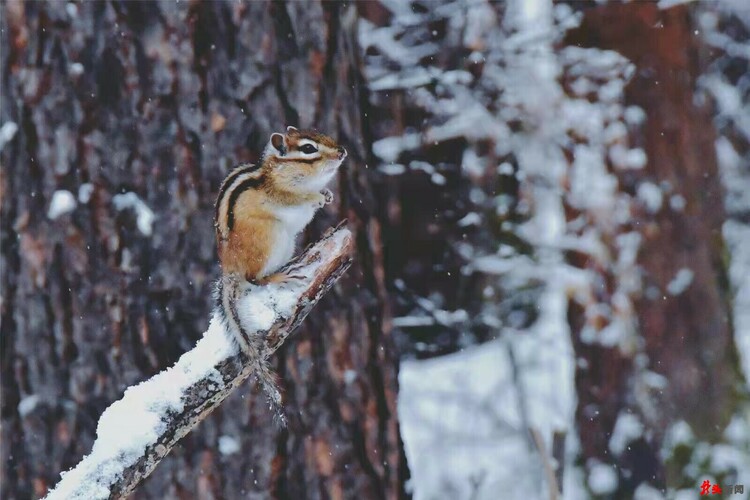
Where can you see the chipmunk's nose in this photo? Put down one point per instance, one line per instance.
(342, 153)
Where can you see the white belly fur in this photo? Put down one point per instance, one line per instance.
(292, 220)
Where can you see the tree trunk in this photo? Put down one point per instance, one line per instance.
(686, 334)
(160, 99)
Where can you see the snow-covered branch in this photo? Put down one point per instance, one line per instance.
(135, 433)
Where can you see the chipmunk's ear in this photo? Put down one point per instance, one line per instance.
(291, 129)
(277, 141)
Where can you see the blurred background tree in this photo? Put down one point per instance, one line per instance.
(128, 116)
(550, 204)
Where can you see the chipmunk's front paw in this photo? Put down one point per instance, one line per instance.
(327, 195)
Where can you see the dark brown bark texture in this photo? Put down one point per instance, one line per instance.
(687, 337)
(161, 99)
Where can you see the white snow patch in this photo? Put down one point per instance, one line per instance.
(735, 177)
(624, 158)
(459, 421)
(350, 376)
(651, 196)
(727, 95)
(392, 169)
(666, 4)
(412, 321)
(85, 191)
(611, 91)
(144, 215)
(645, 491)
(677, 202)
(591, 186)
(260, 309)
(228, 445)
(636, 158)
(726, 457)
(7, 132)
(28, 404)
(63, 202)
(498, 265)
(627, 428)
(435, 176)
(384, 39)
(464, 125)
(438, 179)
(472, 164)
(685, 494)
(546, 363)
(412, 77)
(72, 9)
(470, 219)
(450, 317)
(390, 148)
(678, 434)
(602, 479)
(505, 168)
(615, 131)
(654, 380)
(738, 431)
(680, 282)
(737, 236)
(634, 115)
(76, 69)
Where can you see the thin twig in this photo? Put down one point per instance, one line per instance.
(549, 470)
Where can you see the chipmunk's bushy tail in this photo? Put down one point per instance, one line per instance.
(226, 296)
(228, 292)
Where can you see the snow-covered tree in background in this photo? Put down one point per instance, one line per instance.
(554, 170)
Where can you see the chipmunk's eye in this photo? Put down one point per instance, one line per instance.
(308, 149)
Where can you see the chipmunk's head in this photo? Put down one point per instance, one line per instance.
(302, 160)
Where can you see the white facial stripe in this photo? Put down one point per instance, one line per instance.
(308, 141)
(292, 155)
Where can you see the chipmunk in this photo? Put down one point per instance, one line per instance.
(260, 210)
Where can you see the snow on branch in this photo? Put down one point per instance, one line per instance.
(135, 433)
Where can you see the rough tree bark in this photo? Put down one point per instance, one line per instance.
(160, 99)
(687, 336)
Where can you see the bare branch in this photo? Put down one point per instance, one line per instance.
(135, 433)
(549, 468)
